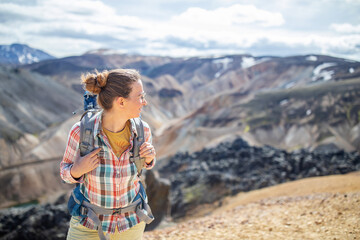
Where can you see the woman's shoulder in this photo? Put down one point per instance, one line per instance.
(75, 130)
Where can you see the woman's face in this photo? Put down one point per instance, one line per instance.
(136, 100)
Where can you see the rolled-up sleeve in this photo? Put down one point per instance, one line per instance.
(71, 153)
(148, 138)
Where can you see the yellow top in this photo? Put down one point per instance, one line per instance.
(119, 141)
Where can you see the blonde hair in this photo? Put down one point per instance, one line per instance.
(110, 84)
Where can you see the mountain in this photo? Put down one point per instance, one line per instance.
(21, 54)
(200, 101)
(289, 103)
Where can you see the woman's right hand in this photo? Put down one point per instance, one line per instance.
(85, 164)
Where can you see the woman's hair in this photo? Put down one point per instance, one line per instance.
(110, 84)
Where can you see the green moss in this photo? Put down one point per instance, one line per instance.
(26, 204)
(348, 113)
(265, 122)
(247, 127)
(194, 193)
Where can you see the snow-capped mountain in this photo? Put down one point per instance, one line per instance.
(21, 54)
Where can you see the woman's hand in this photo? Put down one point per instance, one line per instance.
(85, 164)
(147, 151)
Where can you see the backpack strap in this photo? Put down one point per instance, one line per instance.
(87, 123)
(80, 206)
(137, 141)
(139, 206)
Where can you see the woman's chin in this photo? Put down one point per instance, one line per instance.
(137, 115)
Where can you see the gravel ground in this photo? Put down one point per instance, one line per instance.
(314, 208)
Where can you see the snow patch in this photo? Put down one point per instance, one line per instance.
(351, 70)
(224, 62)
(283, 102)
(28, 58)
(21, 59)
(312, 58)
(248, 62)
(112, 52)
(320, 74)
(32, 58)
(289, 85)
(308, 112)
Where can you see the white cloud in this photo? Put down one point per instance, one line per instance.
(67, 27)
(345, 28)
(72, 27)
(228, 17)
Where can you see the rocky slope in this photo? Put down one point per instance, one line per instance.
(211, 174)
(314, 208)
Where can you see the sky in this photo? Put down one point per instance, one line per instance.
(184, 28)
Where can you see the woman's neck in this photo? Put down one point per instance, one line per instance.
(113, 122)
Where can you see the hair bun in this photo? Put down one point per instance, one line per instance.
(101, 79)
(94, 83)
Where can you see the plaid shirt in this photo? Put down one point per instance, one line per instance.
(113, 184)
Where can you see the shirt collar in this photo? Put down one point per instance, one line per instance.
(133, 127)
(98, 126)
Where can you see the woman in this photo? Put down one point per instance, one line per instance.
(106, 176)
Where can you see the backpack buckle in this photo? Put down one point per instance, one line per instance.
(117, 211)
(83, 211)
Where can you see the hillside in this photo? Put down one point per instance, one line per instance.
(33, 109)
(30, 103)
(290, 119)
(313, 208)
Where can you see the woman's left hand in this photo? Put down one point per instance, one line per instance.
(147, 151)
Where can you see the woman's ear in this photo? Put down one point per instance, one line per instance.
(120, 101)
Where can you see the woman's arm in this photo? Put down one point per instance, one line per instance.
(73, 167)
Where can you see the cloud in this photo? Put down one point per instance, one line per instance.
(52, 25)
(345, 28)
(228, 17)
(261, 28)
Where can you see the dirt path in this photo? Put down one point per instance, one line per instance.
(313, 208)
